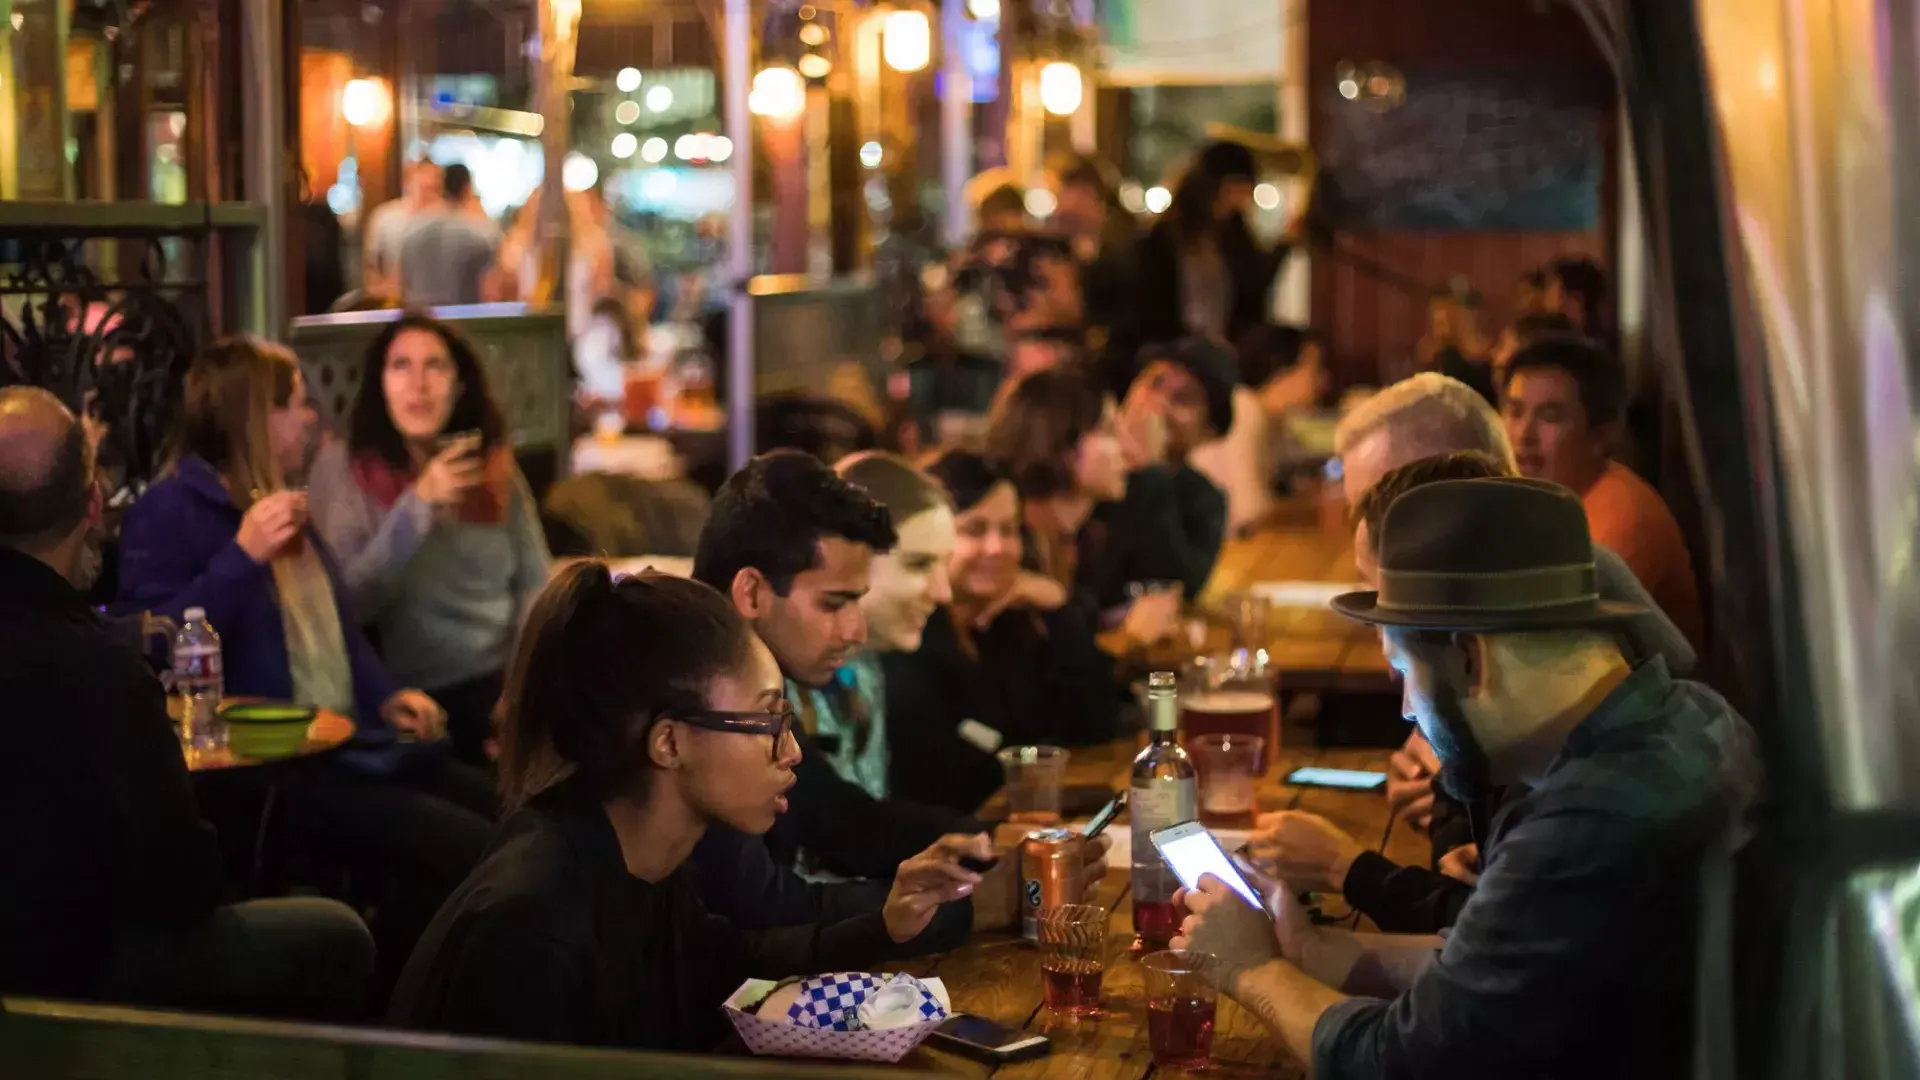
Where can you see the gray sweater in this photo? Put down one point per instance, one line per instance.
(444, 595)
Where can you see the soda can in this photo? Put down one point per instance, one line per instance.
(1049, 875)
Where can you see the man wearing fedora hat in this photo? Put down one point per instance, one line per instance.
(1574, 956)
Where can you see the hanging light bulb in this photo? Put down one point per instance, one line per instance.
(778, 93)
(1060, 88)
(815, 66)
(908, 41)
(365, 102)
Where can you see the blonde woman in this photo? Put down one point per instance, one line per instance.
(225, 529)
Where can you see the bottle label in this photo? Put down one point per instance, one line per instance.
(196, 663)
(1159, 804)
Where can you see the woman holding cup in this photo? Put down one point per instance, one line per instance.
(437, 533)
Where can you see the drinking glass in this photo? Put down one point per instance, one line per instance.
(1229, 768)
(1180, 1008)
(1035, 775)
(1252, 616)
(1232, 694)
(1073, 945)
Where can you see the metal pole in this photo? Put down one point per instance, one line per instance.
(1293, 300)
(956, 122)
(740, 389)
(266, 165)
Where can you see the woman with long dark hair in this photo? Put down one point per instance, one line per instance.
(437, 534)
(1053, 434)
(997, 665)
(1202, 273)
(640, 711)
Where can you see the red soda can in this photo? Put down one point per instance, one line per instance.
(1049, 875)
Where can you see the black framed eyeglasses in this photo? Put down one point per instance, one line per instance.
(776, 722)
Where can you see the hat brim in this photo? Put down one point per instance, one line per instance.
(1365, 607)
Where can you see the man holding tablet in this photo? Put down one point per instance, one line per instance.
(1574, 957)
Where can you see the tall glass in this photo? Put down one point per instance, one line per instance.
(1229, 768)
(1073, 944)
(1232, 694)
(1035, 776)
(1180, 1010)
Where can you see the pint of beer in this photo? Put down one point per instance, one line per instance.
(1232, 712)
(1232, 694)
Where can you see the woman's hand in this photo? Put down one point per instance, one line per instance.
(1142, 427)
(932, 878)
(451, 475)
(271, 524)
(1153, 618)
(413, 712)
(1037, 592)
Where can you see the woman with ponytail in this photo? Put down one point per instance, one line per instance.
(639, 712)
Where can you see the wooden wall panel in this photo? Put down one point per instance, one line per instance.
(1372, 326)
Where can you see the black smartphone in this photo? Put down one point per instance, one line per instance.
(1346, 779)
(978, 1037)
(978, 866)
(1106, 815)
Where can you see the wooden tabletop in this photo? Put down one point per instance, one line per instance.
(1299, 543)
(328, 731)
(997, 975)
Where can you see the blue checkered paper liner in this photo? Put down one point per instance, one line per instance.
(833, 1002)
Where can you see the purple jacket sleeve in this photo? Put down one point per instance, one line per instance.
(168, 575)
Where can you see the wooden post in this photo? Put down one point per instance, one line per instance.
(559, 26)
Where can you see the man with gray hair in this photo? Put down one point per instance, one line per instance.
(113, 881)
(1430, 415)
(1423, 429)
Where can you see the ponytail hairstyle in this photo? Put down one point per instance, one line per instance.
(599, 661)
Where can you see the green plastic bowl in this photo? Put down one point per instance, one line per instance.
(266, 730)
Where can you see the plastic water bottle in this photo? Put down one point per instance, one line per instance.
(199, 680)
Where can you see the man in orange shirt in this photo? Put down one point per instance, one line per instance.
(1564, 399)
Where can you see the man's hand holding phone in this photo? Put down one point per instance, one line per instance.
(1221, 924)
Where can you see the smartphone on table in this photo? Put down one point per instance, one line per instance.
(1344, 779)
(1192, 852)
(982, 1039)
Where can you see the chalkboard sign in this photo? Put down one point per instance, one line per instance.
(1466, 152)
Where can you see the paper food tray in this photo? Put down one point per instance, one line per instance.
(779, 1038)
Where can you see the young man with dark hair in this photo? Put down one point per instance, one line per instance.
(113, 882)
(791, 544)
(1563, 403)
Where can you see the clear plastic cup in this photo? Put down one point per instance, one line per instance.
(1073, 960)
(1180, 1010)
(1035, 776)
(1229, 768)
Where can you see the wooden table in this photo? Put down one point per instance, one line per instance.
(328, 731)
(1313, 648)
(998, 975)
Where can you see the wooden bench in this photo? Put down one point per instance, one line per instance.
(47, 1040)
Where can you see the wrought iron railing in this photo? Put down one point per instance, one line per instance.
(105, 305)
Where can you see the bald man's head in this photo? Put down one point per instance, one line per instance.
(46, 471)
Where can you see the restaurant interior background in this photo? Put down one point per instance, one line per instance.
(186, 168)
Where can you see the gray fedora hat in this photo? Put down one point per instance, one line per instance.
(1498, 555)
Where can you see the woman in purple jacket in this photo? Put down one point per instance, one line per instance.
(226, 530)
